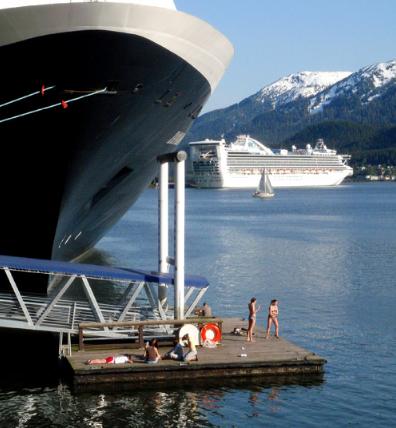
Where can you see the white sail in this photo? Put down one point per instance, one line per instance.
(267, 184)
(264, 189)
(261, 186)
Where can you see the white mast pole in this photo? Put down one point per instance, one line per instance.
(179, 234)
(163, 221)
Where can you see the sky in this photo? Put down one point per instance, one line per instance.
(274, 38)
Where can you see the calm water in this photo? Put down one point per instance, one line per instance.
(328, 256)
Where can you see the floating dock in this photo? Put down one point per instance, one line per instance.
(264, 357)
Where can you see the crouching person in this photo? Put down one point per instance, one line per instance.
(176, 353)
(191, 354)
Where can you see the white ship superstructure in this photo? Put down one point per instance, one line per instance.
(216, 164)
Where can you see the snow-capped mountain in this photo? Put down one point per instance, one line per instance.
(299, 85)
(271, 98)
(368, 83)
(281, 109)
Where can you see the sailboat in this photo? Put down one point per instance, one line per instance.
(264, 189)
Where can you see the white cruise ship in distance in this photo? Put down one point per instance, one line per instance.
(217, 164)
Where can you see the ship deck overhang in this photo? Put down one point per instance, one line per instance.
(190, 38)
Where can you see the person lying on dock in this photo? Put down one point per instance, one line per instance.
(176, 353)
(151, 354)
(191, 354)
(113, 359)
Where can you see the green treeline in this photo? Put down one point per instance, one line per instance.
(368, 145)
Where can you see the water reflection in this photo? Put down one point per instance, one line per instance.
(257, 397)
(273, 397)
(26, 412)
(194, 403)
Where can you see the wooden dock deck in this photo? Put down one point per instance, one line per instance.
(264, 357)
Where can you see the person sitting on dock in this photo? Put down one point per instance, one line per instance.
(273, 318)
(113, 359)
(252, 318)
(204, 311)
(176, 353)
(191, 354)
(151, 354)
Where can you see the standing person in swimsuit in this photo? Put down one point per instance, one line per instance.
(273, 318)
(252, 318)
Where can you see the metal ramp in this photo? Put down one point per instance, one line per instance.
(61, 314)
(144, 294)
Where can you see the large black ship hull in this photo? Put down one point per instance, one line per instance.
(70, 171)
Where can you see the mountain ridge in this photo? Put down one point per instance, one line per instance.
(303, 84)
(289, 105)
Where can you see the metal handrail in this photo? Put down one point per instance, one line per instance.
(141, 324)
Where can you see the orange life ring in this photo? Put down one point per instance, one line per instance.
(210, 332)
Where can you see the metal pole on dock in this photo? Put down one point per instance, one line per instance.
(163, 222)
(179, 234)
(179, 228)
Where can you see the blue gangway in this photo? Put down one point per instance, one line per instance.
(62, 314)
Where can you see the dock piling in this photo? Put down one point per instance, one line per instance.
(179, 236)
(163, 226)
(179, 159)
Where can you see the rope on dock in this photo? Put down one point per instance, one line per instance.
(40, 92)
(63, 103)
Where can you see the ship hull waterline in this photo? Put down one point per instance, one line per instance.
(250, 181)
